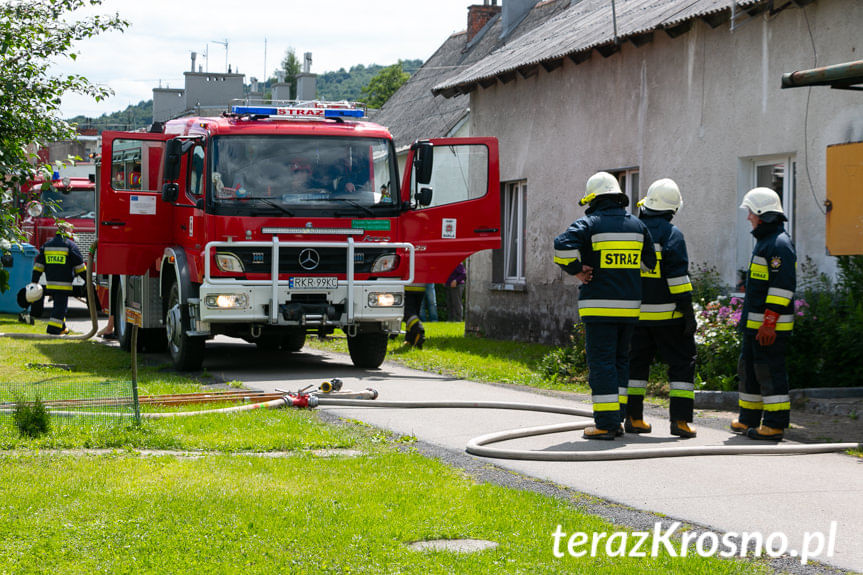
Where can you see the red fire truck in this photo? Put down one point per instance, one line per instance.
(70, 198)
(275, 221)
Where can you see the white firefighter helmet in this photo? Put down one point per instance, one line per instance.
(662, 196)
(599, 184)
(761, 201)
(33, 292)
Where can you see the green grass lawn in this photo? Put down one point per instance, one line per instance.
(218, 505)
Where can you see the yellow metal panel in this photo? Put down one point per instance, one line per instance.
(845, 199)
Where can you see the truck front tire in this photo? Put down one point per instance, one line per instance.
(369, 349)
(187, 352)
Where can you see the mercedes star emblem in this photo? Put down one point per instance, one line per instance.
(309, 259)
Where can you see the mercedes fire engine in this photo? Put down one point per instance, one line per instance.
(272, 222)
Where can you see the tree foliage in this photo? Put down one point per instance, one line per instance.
(291, 66)
(384, 85)
(33, 33)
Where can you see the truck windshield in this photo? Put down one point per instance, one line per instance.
(298, 173)
(74, 203)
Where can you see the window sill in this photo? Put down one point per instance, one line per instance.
(513, 287)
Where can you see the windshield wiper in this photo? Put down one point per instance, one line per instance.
(280, 207)
(355, 204)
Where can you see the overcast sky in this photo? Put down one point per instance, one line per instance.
(156, 47)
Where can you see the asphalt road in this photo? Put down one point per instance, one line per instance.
(794, 497)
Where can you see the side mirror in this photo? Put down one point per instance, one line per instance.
(174, 151)
(170, 192)
(424, 196)
(423, 161)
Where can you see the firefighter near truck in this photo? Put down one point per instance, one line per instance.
(269, 223)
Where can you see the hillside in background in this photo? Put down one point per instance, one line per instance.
(340, 85)
(349, 85)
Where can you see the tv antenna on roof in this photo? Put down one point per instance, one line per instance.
(225, 44)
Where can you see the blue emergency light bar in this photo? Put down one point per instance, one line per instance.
(297, 112)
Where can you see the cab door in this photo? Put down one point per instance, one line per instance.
(463, 216)
(134, 224)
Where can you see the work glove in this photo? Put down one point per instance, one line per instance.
(689, 323)
(767, 332)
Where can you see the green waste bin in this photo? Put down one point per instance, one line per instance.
(20, 268)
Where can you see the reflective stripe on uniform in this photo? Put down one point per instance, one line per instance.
(412, 321)
(777, 402)
(658, 311)
(415, 288)
(566, 257)
(617, 241)
(784, 323)
(779, 296)
(682, 389)
(608, 402)
(80, 268)
(749, 401)
(637, 386)
(622, 397)
(37, 267)
(60, 286)
(758, 268)
(680, 284)
(608, 308)
(55, 323)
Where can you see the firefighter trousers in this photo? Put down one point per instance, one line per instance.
(672, 347)
(763, 387)
(607, 349)
(57, 321)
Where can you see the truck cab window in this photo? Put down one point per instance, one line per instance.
(196, 171)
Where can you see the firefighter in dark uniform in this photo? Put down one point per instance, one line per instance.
(60, 260)
(666, 324)
(415, 333)
(766, 321)
(606, 249)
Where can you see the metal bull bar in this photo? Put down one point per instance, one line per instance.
(274, 281)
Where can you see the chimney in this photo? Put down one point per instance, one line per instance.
(194, 55)
(478, 16)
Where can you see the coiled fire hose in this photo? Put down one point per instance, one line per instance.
(478, 445)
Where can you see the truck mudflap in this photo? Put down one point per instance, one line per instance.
(330, 300)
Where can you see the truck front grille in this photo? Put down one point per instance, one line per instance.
(295, 260)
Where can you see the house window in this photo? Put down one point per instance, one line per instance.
(508, 267)
(629, 184)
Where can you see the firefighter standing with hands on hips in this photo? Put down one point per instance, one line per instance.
(766, 321)
(666, 324)
(61, 261)
(606, 249)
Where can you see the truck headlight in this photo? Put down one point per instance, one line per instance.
(385, 263)
(385, 299)
(228, 262)
(228, 301)
(34, 209)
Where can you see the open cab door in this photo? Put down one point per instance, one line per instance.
(453, 189)
(134, 224)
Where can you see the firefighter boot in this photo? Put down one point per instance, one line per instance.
(739, 428)
(682, 429)
(636, 426)
(416, 333)
(593, 432)
(764, 432)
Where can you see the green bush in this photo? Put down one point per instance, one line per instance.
(31, 418)
(717, 341)
(564, 364)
